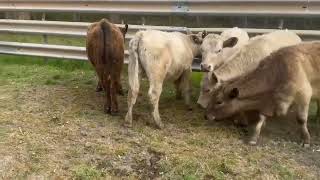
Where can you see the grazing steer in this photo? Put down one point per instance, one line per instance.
(216, 50)
(161, 55)
(246, 59)
(289, 75)
(105, 50)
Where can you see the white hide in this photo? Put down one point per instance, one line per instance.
(161, 55)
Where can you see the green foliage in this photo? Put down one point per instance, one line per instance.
(85, 172)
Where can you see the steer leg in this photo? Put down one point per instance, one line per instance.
(185, 87)
(318, 111)
(104, 81)
(113, 95)
(154, 95)
(99, 87)
(118, 72)
(119, 88)
(303, 101)
(132, 98)
(107, 87)
(99, 71)
(257, 130)
(114, 87)
(178, 88)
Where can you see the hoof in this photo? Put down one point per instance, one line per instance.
(127, 125)
(305, 145)
(114, 112)
(107, 110)
(252, 143)
(121, 92)
(190, 108)
(159, 125)
(99, 89)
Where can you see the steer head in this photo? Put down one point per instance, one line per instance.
(223, 103)
(196, 41)
(215, 50)
(212, 50)
(210, 83)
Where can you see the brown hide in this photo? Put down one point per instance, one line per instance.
(105, 50)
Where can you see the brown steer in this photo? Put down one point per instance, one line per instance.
(289, 75)
(105, 50)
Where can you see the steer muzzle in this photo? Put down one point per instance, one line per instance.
(205, 67)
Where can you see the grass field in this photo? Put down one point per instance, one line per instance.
(52, 126)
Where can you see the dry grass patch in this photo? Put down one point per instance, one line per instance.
(52, 126)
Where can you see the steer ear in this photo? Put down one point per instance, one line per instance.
(124, 29)
(234, 93)
(196, 39)
(230, 42)
(204, 34)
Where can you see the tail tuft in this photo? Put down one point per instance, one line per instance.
(133, 67)
(107, 36)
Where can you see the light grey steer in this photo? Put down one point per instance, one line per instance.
(161, 55)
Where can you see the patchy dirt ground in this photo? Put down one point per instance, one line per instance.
(52, 127)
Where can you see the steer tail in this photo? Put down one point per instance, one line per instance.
(107, 58)
(133, 67)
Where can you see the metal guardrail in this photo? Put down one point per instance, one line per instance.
(56, 51)
(44, 50)
(165, 7)
(80, 28)
(67, 28)
(154, 7)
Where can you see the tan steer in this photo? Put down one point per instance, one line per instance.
(289, 75)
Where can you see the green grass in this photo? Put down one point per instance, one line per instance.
(55, 71)
(39, 39)
(85, 172)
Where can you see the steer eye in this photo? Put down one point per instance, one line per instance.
(207, 90)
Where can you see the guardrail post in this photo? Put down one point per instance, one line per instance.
(143, 20)
(76, 17)
(281, 22)
(245, 23)
(45, 36)
(198, 19)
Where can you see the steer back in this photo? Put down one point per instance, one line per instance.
(170, 53)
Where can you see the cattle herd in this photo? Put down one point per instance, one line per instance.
(248, 79)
